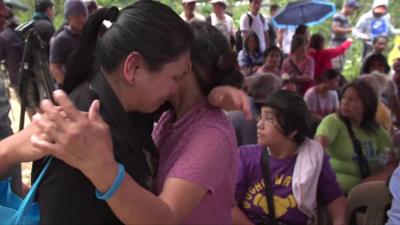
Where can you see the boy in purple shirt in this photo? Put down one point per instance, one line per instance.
(283, 130)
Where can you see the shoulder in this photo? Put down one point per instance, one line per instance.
(250, 154)
(331, 118)
(83, 96)
(309, 59)
(244, 16)
(60, 37)
(310, 92)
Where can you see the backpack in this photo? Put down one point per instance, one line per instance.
(238, 34)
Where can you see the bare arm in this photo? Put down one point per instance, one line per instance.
(134, 205)
(336, 28)
(279, 37)
(239, 218)
(337, 210)
(18, 148)
(56, 72)
(266, 37)
(230, 98)
(245, 33)
(324, 141)
(131, 203)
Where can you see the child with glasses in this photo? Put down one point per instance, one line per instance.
(299, 171)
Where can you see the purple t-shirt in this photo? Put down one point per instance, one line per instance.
(201, 148)
(250, 187)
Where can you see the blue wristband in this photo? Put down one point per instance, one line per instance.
(114, 187)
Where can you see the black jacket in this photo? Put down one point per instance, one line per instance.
(65, 195)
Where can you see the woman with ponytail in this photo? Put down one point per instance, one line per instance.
(132, 66)
(196, 172)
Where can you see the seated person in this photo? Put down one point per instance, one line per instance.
(323, 99)
(250, 58)
(299, 66)
(363, 158)
(282, 136)
(260, 87)
(272, 62)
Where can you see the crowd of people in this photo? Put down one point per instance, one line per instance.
(247, 125)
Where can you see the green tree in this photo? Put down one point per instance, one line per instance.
(236, 10)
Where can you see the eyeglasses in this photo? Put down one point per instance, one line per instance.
(270, 119)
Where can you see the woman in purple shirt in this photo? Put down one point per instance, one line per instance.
(196, 174)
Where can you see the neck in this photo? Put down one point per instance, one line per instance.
(189, 14)
(74, 29)
(322, 90)
(298, 57)
(283, 150)
(117, 89)
(220, 16)
(344, 12)
(254, 13)
(184, 100)
(355, 122)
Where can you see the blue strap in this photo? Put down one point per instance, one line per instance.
(31, 194)
(114, 187)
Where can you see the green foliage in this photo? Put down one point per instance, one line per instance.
(353, 63)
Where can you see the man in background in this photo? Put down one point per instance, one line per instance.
(340, 29)
(255, 21)
(5, 123)
(65, 43)
(43, 17)
(189, 14)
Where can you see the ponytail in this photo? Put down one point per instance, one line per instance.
(82, 65)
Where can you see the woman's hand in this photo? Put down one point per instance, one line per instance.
(18, 148)
(229, 98)
(80, 139)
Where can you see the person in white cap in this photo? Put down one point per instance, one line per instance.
(189, 14)
(375, 22)
(219, 19)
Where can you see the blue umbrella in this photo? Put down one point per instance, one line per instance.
(307, 12)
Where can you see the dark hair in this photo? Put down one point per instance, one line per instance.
(214, 62)
(297, 42)
(379, 37)
(292, 114)
(330, 74)
(301, 30)
(274, 7)
(148, 27)
(246, 41)
(369, 99)
(372, 58)
(43, 5)
(317, 41)
(272, 49)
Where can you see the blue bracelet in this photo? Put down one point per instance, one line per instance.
(114, 187)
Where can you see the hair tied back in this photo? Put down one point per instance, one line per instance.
(226, 61)
(112, 14)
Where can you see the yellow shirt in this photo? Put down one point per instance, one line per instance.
(383, 117)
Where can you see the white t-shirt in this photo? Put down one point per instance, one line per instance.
(196, 18)
(257, 26)
(321, 105)
(225, 26)
(287, 40)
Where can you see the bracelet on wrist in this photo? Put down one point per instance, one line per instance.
(114, 187)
